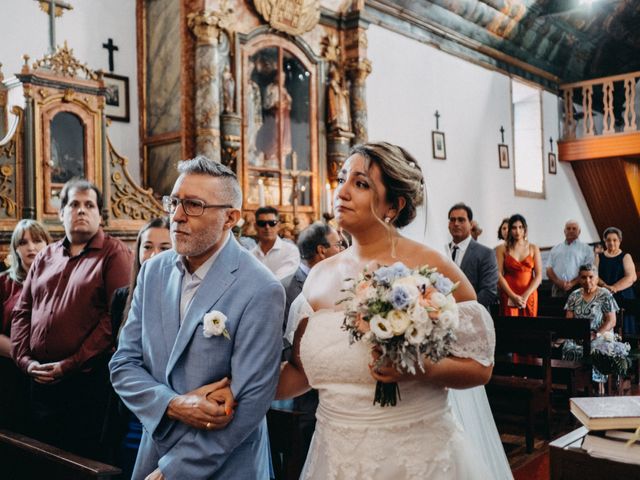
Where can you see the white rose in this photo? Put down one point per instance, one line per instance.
(399, 321)
(214, 324)
(381, 327)
(419, 315)
(447, 319)
(608, 336)
(438, 300)
(415, 334)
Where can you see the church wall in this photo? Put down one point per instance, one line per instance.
(25, 29)
(409, 82)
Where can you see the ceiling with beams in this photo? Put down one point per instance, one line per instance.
(571, 39)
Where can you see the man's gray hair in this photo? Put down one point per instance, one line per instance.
(201, 165)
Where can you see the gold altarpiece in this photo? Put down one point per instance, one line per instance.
(52, 129)
(273, 88)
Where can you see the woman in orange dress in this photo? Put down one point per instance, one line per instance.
(519, 271)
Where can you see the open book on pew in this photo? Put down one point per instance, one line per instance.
(607, 413)
(612, 445)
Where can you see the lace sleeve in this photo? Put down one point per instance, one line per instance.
(299, 309)
(475, 337)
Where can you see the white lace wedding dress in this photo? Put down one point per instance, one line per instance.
(419, 438)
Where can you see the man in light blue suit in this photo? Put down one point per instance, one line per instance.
(204, 312)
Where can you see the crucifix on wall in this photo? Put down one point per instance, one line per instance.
(54, 8)
(437, 140)
(112, 48)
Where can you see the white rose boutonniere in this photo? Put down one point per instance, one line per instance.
(214, 324)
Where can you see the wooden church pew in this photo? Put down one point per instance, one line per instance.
(25, 457)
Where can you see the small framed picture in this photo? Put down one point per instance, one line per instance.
(116, 97)
(503, 155)
(439, 148)
(553, 163)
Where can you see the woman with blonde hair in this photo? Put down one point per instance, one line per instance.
(29, 237)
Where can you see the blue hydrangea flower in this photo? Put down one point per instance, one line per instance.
(400, 298)
(443, 284)
(384, 276)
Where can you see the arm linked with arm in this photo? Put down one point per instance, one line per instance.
(255, 374)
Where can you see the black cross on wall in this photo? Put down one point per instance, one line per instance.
(112, 48)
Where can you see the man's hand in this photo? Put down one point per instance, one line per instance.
(209, 407)
(46, 372)
(155, 475)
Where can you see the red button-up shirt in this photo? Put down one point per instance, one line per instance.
(63, 313)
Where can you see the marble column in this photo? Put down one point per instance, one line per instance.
(207, 108)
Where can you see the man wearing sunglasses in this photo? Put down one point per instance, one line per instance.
(281, 257)
(202, 313)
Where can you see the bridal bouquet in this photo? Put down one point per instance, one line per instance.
(403, 314)
(610, 355)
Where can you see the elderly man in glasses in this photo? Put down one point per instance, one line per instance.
(281, 257)
(202, 313)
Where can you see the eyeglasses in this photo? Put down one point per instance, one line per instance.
(191, 206)
(340, 245)
(264, 223)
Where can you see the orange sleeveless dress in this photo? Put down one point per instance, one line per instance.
(518, 275)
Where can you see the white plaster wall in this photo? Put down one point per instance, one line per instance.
(409, 82)
(24, 28)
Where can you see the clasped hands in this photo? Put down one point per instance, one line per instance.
(45, 372)
(209, 407)
(387, 373)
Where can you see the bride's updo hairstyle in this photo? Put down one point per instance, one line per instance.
(401, 176)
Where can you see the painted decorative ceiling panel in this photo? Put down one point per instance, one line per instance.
(571, 39)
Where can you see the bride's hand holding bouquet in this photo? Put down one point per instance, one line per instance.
(407, 316)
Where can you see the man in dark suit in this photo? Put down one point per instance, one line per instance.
(316, 242)
(476, 261)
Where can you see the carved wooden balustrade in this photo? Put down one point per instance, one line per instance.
(601, 101)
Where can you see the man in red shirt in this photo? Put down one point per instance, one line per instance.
(61, 331)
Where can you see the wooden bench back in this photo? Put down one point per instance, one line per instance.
(25, 457)
(578, 329)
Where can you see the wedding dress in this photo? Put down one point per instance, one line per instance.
(419, 438)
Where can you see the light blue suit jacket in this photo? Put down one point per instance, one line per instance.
(158, 359)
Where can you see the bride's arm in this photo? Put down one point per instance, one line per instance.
(452, 372)
(293, 381)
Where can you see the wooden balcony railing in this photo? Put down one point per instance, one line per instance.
(600, 107)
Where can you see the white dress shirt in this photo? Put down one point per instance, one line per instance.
(191, 281)
(283, 258)
(462, 248)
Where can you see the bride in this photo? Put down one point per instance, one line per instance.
(379, 188)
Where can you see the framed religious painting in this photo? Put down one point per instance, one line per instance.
(438, 145)
(116, 97)
(553, 163)
(503, 155)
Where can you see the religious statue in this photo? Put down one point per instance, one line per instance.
(228, 89)
(277, 111)
(338, 118)
(254, 117)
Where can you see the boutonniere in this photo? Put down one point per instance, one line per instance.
(214, 324)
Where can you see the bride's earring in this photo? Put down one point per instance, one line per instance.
(387, 219)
